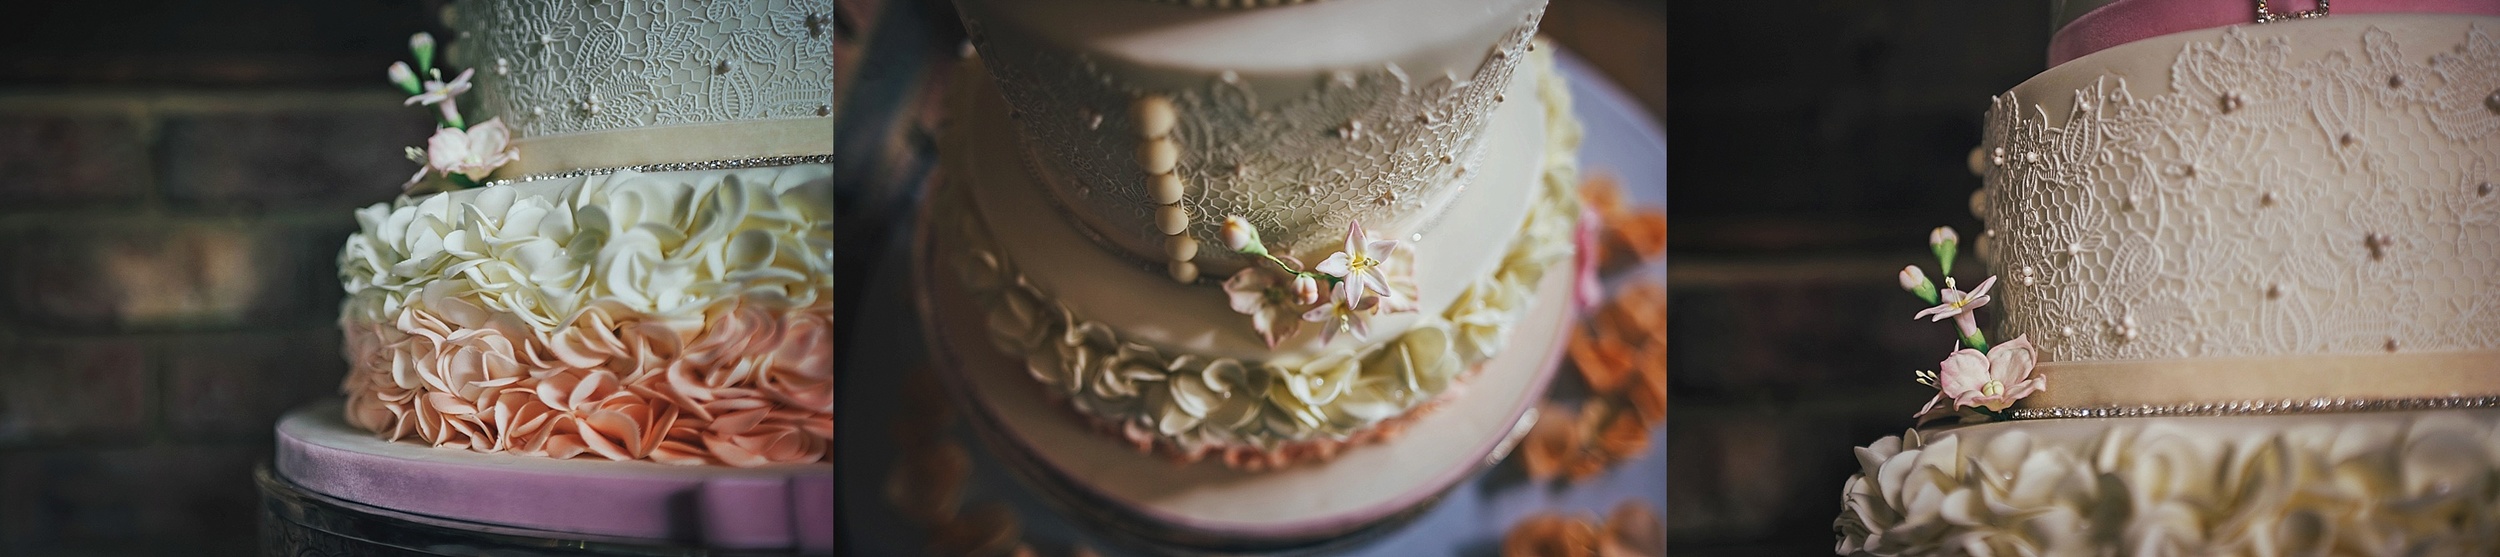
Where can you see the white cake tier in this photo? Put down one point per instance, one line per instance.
(2312, 187)
(658, 85)
(1147, 121)
(2373, 483)
(1113, 334)
(550, 67)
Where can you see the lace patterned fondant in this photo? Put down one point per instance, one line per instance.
(551, 67)
(1375, 146)
(2262, 206)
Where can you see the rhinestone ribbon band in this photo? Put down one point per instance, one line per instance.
(2266, 385)
(730, 164)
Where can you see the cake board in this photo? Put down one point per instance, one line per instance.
(338, 481)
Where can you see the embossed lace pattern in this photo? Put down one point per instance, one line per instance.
(563, 66)
(1372, 146)
(2261, 207)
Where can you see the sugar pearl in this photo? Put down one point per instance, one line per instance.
(1154, 115)
(1171, 219)
(1158, 155)
(1181, 247)
(1164, 188)
(1184, 271)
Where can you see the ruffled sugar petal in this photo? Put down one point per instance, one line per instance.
(740, 421)
(565, 446)
(611, 434)
(731, 454)
(446, 403)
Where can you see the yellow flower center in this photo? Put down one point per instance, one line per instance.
(1356, 263)
(1993, 388)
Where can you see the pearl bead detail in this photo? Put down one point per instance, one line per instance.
(1158, 156)
(1171, 219)
(1155, 116)
(1164, 188)
(1181, 247)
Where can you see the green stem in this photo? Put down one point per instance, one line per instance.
(1976, 340)
(1991, 414)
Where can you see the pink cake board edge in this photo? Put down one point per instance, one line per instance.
(2126, 21)
(785, 506)
(943, 313)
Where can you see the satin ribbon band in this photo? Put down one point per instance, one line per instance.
(691, 146)
(2265, 385)
(2125, 21)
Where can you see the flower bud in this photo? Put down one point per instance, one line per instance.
(1241, 236)
(1915, 281)
(1306, 290)
(422, 45)
(1943, 241)
(404, 78)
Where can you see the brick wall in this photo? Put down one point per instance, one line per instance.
(175, 181)
(1813, 146)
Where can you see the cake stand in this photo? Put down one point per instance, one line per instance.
(337, 490)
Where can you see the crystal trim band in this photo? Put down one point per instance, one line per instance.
(2258, 407)
(729, 164)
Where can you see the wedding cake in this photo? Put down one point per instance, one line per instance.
(621, 250)
(1256, 232)
(2248, 269)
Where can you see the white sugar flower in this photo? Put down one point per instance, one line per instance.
(436, 91)
(1345, 309)
(1260, 294)
(1957, 303)
(1363, 262)
(472, 153)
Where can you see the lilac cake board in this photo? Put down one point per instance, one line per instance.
(786, 507)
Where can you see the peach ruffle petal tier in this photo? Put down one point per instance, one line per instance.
(752, 387)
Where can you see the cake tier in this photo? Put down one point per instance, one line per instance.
(2301, 188)
(2381, 483)
(606, 85)
(1180, 367)
(683, 317)
(1149, 124)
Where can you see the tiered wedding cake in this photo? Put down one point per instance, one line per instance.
(601, 316)
(2249, 268)
(645, 273)
(1257, 233)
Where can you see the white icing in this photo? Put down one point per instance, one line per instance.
(2306, 187)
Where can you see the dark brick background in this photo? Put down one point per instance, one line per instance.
(176, 178)
(1813, 144)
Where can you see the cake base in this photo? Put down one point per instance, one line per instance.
(1205, 504)
(642, 503)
